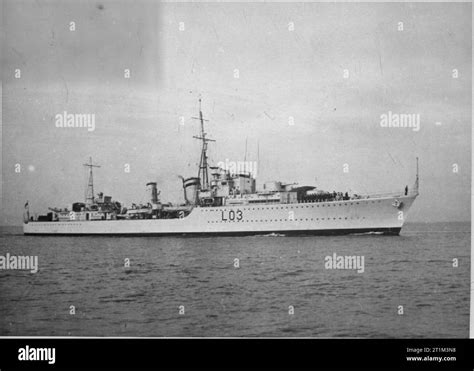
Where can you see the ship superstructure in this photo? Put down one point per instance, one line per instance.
(220, 202)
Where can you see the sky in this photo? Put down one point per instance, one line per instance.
(303, 84)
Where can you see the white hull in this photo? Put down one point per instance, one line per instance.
(336, 217)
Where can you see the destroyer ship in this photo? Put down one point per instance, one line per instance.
(219, 201)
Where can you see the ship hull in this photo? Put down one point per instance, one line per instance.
(374, 215)
(314, 232)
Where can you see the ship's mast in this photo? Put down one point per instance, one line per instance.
(90, 185)
(417, 180)
(203, 165)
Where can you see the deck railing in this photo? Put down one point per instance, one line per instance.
(357, 197)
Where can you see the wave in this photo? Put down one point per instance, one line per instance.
(367, 233)
(273, 235)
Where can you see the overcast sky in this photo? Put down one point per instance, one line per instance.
(282, 73)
